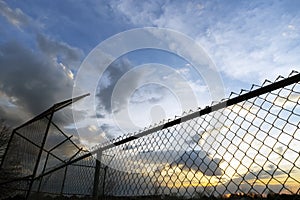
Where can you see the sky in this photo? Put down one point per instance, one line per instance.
(44, 44)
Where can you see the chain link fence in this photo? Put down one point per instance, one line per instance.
(246, 146)
(36, 148)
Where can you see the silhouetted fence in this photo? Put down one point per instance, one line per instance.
(37, 147)
(248, 144)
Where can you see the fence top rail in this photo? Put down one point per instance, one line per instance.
(256, 90)
(56, 107)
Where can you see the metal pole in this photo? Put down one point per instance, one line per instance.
(64, 180)
(39, 155)
(96, 175)
(104, 179)
(65, 174)
(44, 168)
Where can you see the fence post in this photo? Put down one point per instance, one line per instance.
(97, 174)
(40, 154)
(104, 178)
(44, 168)
(64, 180)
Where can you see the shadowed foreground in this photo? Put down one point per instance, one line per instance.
(167, 197)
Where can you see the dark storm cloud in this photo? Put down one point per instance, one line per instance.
(34, 80)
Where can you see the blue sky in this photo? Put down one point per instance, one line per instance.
(43, 43)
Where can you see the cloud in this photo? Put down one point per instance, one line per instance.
(135, 96)
(139, 156)
(152, 94)
(250, 45)
(32, 80)
(113, 74)
(271, 172)
(161, 14)
(192, 160)
(248, 42)
(255, 181)
(142, 13)
(199, 161)
(287, 101)
(15, 17)
(60, 51)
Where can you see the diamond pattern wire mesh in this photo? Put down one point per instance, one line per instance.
(61, 181)
(37, 147)
(22, 155)
(251, 147)
(73, 179)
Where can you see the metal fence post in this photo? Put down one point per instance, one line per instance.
(97, 174)
(64, 180)
(44, 168)
(103, 183)
(39, 155)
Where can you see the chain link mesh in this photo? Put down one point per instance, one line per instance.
(35, 149)
(250, 148)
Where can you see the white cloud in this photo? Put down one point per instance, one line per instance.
(248, 42)
(250, 46)
(92, 128)
(138, 12)
(15, 17)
